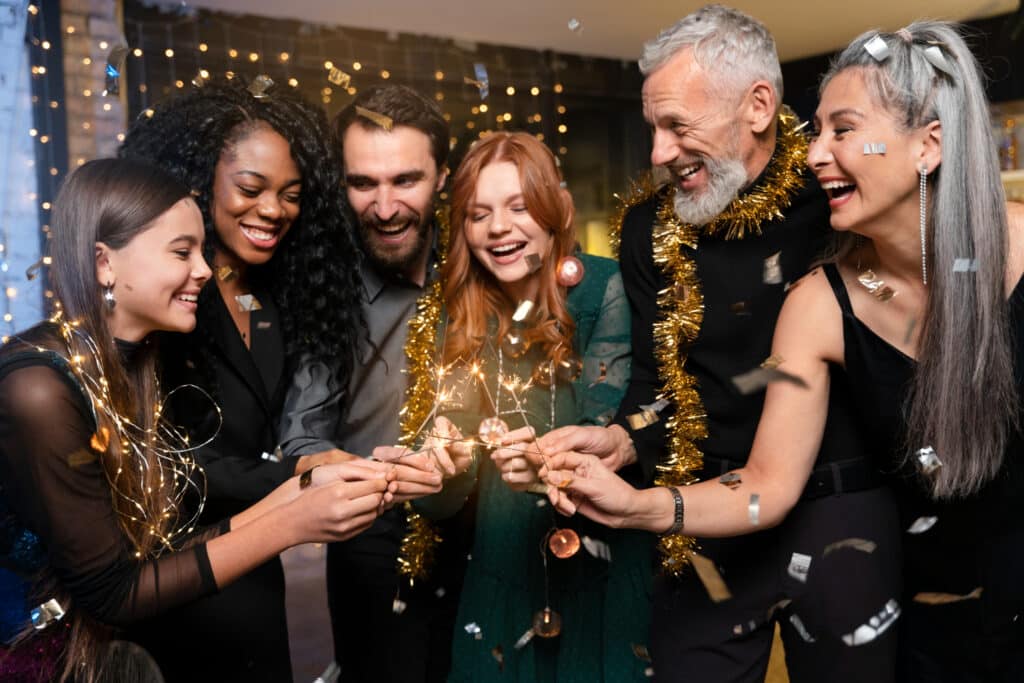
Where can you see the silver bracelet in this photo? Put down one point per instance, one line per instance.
(677, 519)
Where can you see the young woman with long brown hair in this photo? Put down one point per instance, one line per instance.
(525, 614)
(94, 533)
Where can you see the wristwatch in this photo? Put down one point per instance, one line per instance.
(677, 519)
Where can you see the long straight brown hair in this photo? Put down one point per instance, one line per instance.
(471, 293)
(111, 201)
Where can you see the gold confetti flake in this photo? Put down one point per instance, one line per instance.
(381, 120)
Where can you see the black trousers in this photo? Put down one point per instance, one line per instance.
(695, 639)
(372, 642)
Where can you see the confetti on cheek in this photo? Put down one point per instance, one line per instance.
(533, 263)
(874, 148)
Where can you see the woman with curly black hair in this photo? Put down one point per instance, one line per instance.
(262, 168)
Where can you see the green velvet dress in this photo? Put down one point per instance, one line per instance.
(604, 605)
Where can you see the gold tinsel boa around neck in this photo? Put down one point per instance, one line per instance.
(681, 303)
(421, 539)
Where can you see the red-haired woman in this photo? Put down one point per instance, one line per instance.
(565, 362)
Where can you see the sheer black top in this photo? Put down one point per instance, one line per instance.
(57, 496)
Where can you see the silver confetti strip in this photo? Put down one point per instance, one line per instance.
(525, 638)
(46, 614)
(965, 265)
(928, 461)
(877, 48)
(473, 629)
(398, 606)
(922, 524)
(874, 148)
(754, 508)
(800, 628)
(598, 549)
(876, 626)
(799, 566)
(773, 269)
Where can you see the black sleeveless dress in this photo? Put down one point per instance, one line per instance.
(977, 542)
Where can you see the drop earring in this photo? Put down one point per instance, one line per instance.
(108, 296)
(922, 171)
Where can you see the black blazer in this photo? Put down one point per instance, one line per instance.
(249, 385)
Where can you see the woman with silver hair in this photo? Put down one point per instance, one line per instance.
(922, 304)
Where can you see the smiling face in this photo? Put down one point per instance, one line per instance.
(500, 231)
(391, 178)
(157, 275)
(865, 188)
(698, 138)
(256, 193)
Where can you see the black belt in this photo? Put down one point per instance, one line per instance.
(830, 478)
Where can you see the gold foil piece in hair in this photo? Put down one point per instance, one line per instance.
(260, 85)
(381, 120)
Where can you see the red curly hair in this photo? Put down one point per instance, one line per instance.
(471, 293)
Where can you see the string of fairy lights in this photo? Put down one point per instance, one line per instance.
(479, 88)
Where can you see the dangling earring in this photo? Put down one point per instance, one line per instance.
(108, 296)
(922, 171)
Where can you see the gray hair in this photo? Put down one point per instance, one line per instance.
(963, 400)
(734, 46)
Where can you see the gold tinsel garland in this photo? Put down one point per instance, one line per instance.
(681, 303)
(416, 554)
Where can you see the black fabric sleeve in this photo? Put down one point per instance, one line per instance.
(57, 488)
(642, 282)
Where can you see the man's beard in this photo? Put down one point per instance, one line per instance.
(396, 259)
(726, 178)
